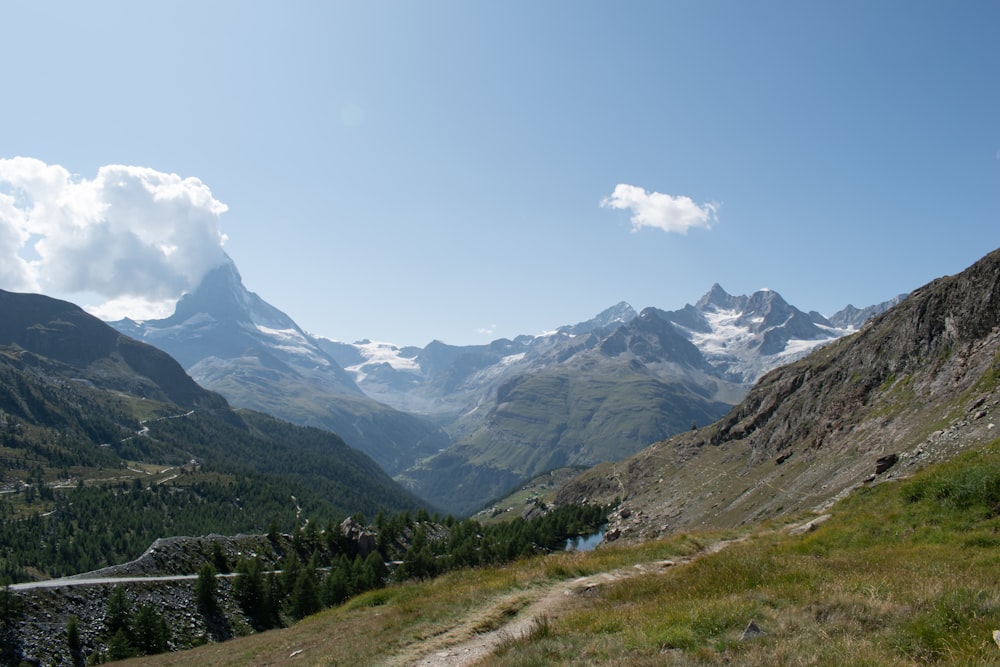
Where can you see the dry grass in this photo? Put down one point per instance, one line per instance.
(903, 574)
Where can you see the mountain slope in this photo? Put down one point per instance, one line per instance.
(620, 383)
(491, 415)
(583, 399)
(104, 410)
(232, 341)
(914, 385)
(53, 333)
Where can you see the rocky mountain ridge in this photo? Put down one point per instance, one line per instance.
(536, 403)
(461, 425)
(916, 384)
(233, 342)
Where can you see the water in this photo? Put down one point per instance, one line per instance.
(585, 542)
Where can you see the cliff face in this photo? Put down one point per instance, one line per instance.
(918, 383)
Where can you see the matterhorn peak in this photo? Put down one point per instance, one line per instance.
(222, 296)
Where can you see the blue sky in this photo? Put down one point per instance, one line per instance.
(404, 171)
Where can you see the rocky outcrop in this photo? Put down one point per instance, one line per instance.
(363, 537)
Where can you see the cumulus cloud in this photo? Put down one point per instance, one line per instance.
(661, 211)
(131, 236)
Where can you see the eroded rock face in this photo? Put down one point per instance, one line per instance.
(363, 538)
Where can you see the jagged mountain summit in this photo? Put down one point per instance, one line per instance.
(233, 342)
(917, 384)
(221, 321)
(853, 318)
(743, 337)
(740, 337)
(584, 393)
(462, 424)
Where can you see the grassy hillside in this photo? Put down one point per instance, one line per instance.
(902, 573)
(563, 416)
(106, 444)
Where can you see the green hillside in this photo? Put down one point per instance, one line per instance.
(565, 415)
(901, 573)
(106, 444)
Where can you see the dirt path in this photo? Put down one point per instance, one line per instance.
(514, 616)
(509, 617)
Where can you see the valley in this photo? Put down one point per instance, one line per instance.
(460, 426)
(109, 446)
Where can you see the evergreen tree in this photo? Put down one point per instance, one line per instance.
(219, 558)
(335, 587)
(117, 612)
(290, 573)
(375, 572)
(73, 641)
(251, 592)
(120, 646)
(418, 563)
(305, 599)
(205, 589)
(150, 632)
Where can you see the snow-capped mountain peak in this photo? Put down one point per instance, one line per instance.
(743, 337)
(222, 320)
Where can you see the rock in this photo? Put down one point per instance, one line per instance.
(885, 462)
(364, 538)
(751, 631)
(809, 526)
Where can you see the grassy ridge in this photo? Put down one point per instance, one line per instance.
(902, 574)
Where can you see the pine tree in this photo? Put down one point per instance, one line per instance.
(117, 612)
(335, 587)
(375, 571)
(290, 572)
(150, 633)
(219, 558)
(305, 599)
(73, 641)
(251, 592)
(205, 588)
(120, 646)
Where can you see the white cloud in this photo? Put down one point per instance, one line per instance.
(661, 211)
(132, 235)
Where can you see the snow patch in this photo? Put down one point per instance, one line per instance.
(511, 359)
(293, 342)
(375, 352)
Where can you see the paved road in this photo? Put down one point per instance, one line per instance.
(101, 581)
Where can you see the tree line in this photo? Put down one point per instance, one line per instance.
(312, 569)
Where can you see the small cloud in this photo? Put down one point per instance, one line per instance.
(661, 211)
(128, 236)
(487, 331)
(136, 308)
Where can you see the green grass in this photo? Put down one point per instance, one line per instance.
(902, 574)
